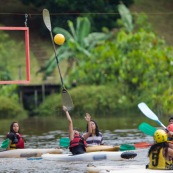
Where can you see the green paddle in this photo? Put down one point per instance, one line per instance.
(64, 142)
(5, 143)
(147, 129)
(125, 147)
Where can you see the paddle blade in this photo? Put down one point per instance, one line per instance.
(5, 143)
(125, 147)
(46, 19)
(147, 129)
(142, 145)
(67, 100)
(64, 142)
(147, 111)
(128, 155)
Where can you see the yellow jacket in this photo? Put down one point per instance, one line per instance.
(158, 161)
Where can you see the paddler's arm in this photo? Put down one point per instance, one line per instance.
(70, 123)
(170, 152)
(88, 119)
(170, 145)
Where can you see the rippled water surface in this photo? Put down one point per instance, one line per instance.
(44, 136)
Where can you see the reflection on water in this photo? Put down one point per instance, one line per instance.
(46, 132)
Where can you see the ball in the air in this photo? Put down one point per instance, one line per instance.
(59, 39)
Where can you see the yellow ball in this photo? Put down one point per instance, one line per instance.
(59, 39)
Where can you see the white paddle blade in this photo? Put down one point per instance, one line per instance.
(46, 19)
(147, 111)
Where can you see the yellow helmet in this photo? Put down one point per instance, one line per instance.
(160, 136)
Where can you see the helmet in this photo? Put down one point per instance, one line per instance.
(160, 136)
(170, 127)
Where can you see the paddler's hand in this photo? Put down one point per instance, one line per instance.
(87, 117)
(65, 109)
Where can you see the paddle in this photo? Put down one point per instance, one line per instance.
(147, 129)
(142, 145)
(5, 143)
(125, 147)
(64, 142)
(148, 113)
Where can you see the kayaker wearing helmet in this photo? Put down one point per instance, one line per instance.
(170, 133)
(161, 152)
(171, 120)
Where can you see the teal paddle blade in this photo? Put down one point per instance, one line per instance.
(147, 129)
(125, 147)
(64, 142)
(5, 143)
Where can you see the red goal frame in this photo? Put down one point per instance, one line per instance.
(27, 52)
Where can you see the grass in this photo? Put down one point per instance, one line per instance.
(160, 15)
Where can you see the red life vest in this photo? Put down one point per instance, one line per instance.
(78, 140)
(19, 144)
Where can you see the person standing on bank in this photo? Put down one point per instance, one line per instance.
(77, 143)
(15, 138)
(92, 136)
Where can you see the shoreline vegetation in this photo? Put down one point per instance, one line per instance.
(122, 71)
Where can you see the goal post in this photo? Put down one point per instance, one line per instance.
(27, 55)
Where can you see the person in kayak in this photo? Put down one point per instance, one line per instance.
(92, 136)
(170, 132)
(171, 120)
(15, 138)
(77, 142)
(161, 152)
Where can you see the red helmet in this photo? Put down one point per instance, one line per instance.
(170, 127)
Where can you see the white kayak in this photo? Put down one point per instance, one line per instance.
(21, 153)
(92, 156)
(123, 169)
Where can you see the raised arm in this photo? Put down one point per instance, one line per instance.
(88, 119)
(70, 123)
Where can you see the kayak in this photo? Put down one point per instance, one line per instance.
(21, 153)
(96, 148)
(124, 169)
(92, 156)
(122, 147)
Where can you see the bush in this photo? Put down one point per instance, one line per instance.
(11, 109)
(97, 100)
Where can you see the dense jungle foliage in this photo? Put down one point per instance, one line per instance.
(113, 69)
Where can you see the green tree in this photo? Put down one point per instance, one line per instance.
(140, 61)
(79, 43)
(4, 56)
(101, 12)
(126, 17)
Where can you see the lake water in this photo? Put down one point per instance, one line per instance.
(46, 132)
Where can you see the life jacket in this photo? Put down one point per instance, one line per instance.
(18, 142)
(78, 140)
(158, 161)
